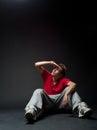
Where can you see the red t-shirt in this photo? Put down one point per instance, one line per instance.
(51, 88)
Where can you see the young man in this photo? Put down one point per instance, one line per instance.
(57, 93)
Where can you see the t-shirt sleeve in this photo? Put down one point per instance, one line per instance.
(45, 74)
(66, 81)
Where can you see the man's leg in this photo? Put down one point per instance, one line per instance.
(75, 103)
(38, 102)
(79, 107)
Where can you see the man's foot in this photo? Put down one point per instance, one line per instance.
(86, 112)
(30, 115)
(83, 112)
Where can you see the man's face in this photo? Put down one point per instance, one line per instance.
(56, 72)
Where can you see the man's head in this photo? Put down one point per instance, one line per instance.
(59, 72)
(64, 69)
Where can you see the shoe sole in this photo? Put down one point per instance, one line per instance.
(88, 114)
(29, 117)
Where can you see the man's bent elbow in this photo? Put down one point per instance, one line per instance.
(36, 64)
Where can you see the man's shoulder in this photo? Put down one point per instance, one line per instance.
(65, 79)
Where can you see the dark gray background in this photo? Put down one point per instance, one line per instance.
(38, 30)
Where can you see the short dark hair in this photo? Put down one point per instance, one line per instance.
(64, 69)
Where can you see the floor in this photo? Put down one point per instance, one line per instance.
(13, 119)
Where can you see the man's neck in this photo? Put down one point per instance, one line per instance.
(55, 80)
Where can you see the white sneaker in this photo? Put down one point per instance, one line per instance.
(30, 115)
(85, 112)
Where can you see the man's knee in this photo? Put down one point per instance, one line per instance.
(39, 91)
(65, 90)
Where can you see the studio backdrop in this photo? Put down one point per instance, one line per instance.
(38, 30)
